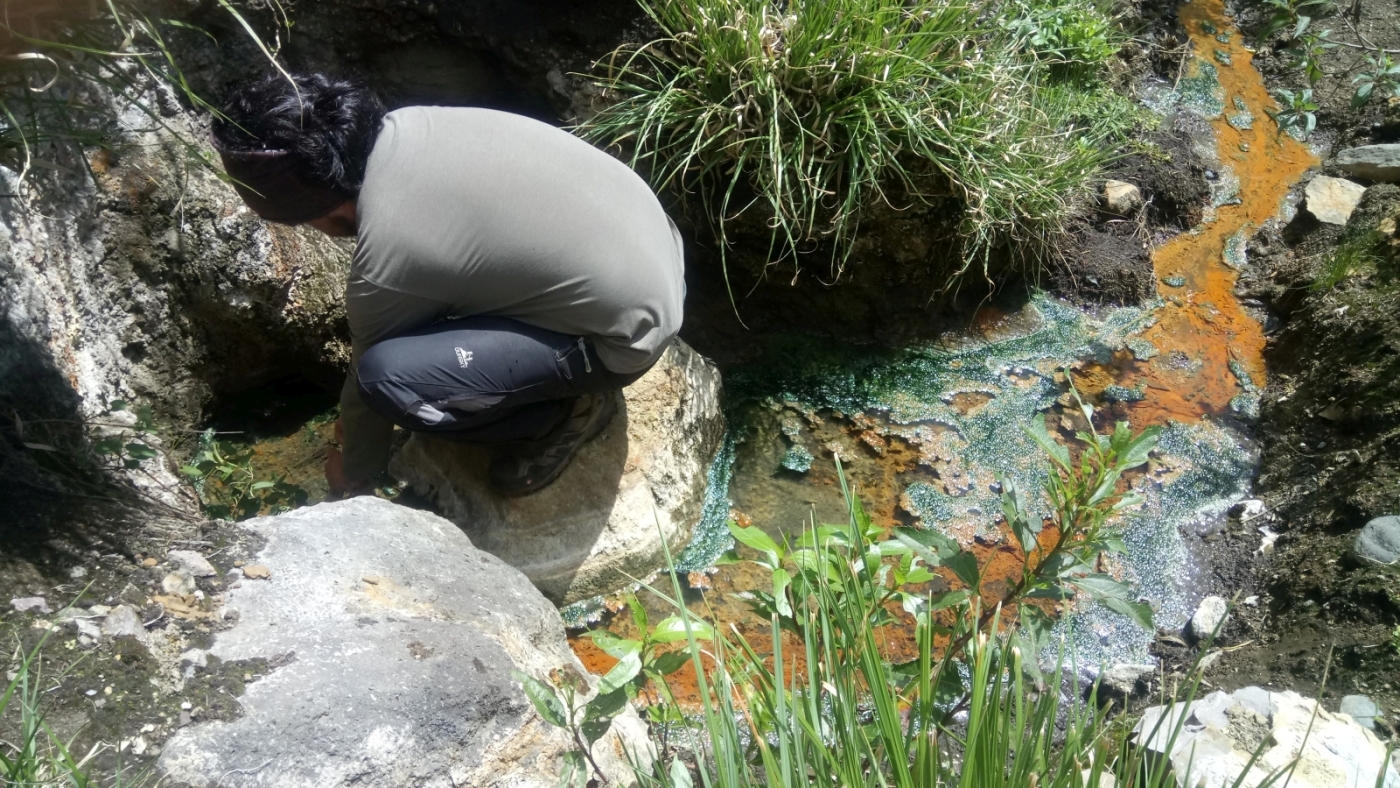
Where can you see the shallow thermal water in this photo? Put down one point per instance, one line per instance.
(923, 432)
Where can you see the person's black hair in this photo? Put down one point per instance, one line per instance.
(329, 123)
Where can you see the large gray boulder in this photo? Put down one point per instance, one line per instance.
(1221, 732)
(1374, 162)
(1379, 540)
(601, 524)
(396, 638)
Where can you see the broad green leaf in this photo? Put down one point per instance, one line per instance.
(755, 538)
(639, 613)
(1101, 586)
(612, 645)
(673, 629)
(1041, 436)
(669, 663)
(140, 451)
(1139, 612)
(593, 730)
(116, 406)
(964, 565)
(932, 544)
(605, 707)
(262, 485)
(1140, 447)
(190, 470)
(621, 674)
(781, 581)
(575, 772)
(680, 775)
(948, 599)
(543, 697)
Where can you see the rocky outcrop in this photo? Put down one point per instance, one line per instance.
(1221, 733)
(1331, 200)
(1374, 162)
(395, 639)
(138, 274)
(602, 523)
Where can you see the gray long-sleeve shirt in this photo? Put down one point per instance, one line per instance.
(472, 212)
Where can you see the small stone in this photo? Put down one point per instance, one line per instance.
(90, 693)
(1373, 162)
(195, 657)
(1252, 600)
(1362, 709)
(123, 621)
(184, 718)
(256, 572)
(1379, 540)
(192, 563)
(149, 562)
(239, 562)
(77, 572)
(1121, 197)
(1209, 617)
(1331, 200)
(186, 706)
(35, 603)
(1123, 678)
(1174, 281)
(178, 583)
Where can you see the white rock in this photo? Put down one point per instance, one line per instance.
(192, 563)
(1123, 678)
(1121, 197)
(1220, 733)
(600, 524)
(397, 683)
(1209, 616)
(1331, 200)
(123, 621)
(35, 603)
(178, 583)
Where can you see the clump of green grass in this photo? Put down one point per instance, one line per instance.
(807, 114)
(1351, 257)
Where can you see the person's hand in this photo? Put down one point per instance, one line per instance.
(340, 487)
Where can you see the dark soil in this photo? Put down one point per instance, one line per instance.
(1330, 420)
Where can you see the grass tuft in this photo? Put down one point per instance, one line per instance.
(807, 114)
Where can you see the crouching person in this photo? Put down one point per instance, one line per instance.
(508, 278)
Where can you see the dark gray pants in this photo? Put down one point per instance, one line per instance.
(488, 380)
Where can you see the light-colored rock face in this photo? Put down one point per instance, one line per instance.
(139, 275)
(1331, 200)
(1379, 540)
(1373, 162)
(396, 638)
(601, 524)
(1209, 617)
(1121, 197)
(1221, 732)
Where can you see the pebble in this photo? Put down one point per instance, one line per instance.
(35, 603)
(1362, 709)
(256, 572)
(178, 583)
(1247, 510)
(1121, 197)
(1209, 616)
(122, 622)
(186, 706)
(149, 562)
(192, 563)
(1378, 541)
(1123, 678)
(77, 572)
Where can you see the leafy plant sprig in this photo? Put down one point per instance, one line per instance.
(228, 487)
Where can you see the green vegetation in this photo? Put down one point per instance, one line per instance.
(840, 706)
(228, 486)
(67, 70)
(803, 116)
(1347, 259)
(34, 756)
(1306, 47)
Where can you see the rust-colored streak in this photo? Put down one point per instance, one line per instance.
(1202, 327)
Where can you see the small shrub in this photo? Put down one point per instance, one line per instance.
(228, 486)
(806, 114)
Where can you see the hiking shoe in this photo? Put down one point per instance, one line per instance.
(514, 474)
